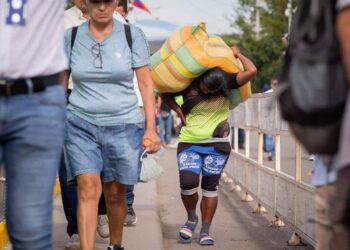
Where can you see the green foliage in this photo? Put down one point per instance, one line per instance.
(266, 50)
(69, 4)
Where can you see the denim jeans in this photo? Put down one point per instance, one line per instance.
(268, 144)
(69, 200)
(31, 140)
(130, 196)
(165, 125)
(241, 136)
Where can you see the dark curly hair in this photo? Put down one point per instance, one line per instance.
(213, 82)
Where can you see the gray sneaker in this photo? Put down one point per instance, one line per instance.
(102, 226)
(73, 243)
(130, 218)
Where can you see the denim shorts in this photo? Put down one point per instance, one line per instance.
(112, 151)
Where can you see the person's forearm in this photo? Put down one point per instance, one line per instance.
(146, 88)
(343, 30)
(149, 106)
(168, 99)
(248, 72)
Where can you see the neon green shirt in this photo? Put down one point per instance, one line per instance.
(204, 118)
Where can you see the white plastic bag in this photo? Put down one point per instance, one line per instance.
(150, 170)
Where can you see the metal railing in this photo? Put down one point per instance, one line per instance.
(286, 195)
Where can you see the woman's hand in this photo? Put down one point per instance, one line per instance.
(151, 141)
(235, 51)
(249, 69)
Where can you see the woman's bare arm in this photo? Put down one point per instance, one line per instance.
(169, 100)
(146, 87)
(248, 66)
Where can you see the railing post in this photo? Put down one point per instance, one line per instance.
(247, 143)
(260, 147)
(278, 153)
(297, 162)
(235, 140)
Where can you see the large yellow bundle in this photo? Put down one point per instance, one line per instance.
(187, 54)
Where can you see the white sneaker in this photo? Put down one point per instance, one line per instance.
(73, 243)
(311, 157)
(102, 226)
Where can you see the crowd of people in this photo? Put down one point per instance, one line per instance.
(79, 100)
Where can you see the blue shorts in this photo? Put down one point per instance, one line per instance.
(205, 160)
(113, 151)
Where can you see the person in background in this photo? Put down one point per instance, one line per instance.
(269, 147)
(241, 138)
(32, 101)
(165, 123)
(105, 128)
(204, 146)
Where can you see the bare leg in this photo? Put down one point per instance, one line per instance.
(115, 194)
(89, 192)
(208, 208)
(190, 201)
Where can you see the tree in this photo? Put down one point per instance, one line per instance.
(69, 4)
(266, 49)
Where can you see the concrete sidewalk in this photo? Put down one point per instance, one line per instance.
(146, 234)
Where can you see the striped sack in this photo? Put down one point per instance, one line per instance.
(187, 54)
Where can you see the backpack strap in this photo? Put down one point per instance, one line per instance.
(128, 35)
(74, 35)
(72, 40)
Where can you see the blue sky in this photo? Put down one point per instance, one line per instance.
(168, 14)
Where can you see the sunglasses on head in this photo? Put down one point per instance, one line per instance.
(101, 1)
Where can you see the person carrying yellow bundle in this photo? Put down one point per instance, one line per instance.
(187, 54)
(204, 147)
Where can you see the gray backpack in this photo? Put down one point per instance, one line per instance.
(313, 87)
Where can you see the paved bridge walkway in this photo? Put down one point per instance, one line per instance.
(160, 214)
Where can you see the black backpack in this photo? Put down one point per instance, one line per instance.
(312, 84)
